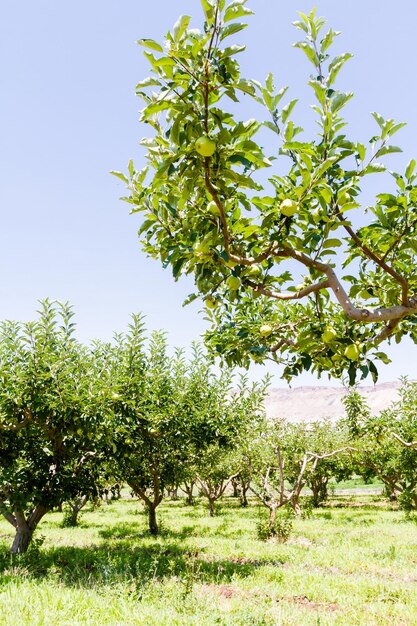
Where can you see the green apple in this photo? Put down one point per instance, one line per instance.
(288, 207)
(233, 282)
(201, 249)
(211, 302)
(205, 146)
(329, 335)
(213, 208)
(352, 352)
(364, 293)
(344, 198)
(265, 330)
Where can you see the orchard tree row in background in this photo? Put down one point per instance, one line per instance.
(74, 417)
(291, 266)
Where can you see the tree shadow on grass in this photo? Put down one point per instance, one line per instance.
(123, 562)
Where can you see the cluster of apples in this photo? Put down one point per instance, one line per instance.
(352, 351)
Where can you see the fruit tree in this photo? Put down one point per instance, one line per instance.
(295, 251)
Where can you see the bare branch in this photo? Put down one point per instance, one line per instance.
(375, 258)
(397, 312)
(313, 455)
(7, 515)
(407, 444)
(278, 295)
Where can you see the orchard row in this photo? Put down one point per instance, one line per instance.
(75, 418)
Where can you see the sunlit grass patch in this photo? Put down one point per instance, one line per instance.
(342, 565)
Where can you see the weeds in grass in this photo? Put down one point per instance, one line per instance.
(280, 530)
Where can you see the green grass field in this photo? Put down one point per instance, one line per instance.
(352, 562)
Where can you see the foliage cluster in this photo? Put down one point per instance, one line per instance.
(291, 266)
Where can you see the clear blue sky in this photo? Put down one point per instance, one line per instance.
(69, 115)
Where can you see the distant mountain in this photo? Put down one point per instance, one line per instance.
(313, 403)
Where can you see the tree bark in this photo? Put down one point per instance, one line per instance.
(211, 502)
(272, 517)
(189, 488)
(235, 485)
(243, 496)
(26, 527)
(75, 509)
(21, 540)
(153, 524)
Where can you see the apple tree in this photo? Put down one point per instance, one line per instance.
(285, 457)
(150, 433)
(289, 262)
(386, 443)
(168, 412)
(52, 418)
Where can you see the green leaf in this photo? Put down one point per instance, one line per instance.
(388, 150)
(286, 111)
(190, 298)
(339, 101)
(308, 51)
(336, 65)
(231, 29)
(121, 176)
(319, 89)
(236, 10)
(181, 26)
(148, 82)
(374, 168)
(410, 168)
(331, 243)
(327, 40)
(151, 44)
(235, 49)
(379, 119)
(208, 9)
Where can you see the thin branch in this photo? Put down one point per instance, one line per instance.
(376, 259)
(313, 455)
(407, 444)
(7, 515)
(364, 315)
(82, 461)
(278, 295)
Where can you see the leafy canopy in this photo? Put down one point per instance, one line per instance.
(291, 266)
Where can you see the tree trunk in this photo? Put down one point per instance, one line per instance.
(243, 491)
(211, 506)
(153, 524)
(189, 488)
(272, 517)
(235, 485)
(319, 489)
(173, 493)
(26, 528)
(295, 503)
(21, 540)
(75, 509)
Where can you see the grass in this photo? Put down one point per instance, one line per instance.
(352, 562)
